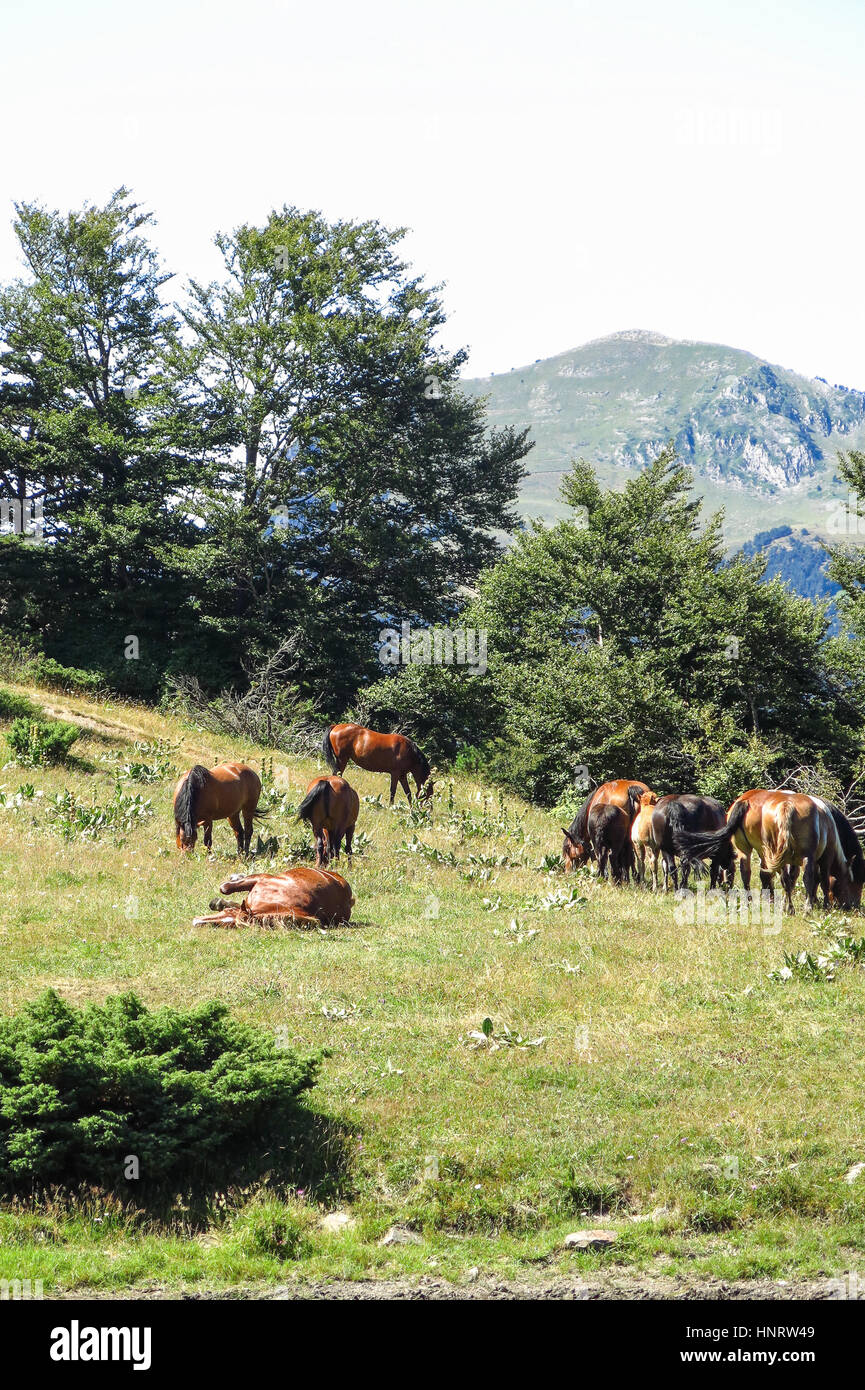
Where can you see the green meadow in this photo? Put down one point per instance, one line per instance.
(639, 1073)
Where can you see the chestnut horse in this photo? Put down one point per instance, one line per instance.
(577, 846)
(226, 792)
(642, 844)
(789, 831)
(330, 806)
(304, 896)
(393, 753)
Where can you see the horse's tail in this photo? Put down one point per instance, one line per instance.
(708, 844)
(186, 801)
(321, 789)
(327, 750)
(774, 855)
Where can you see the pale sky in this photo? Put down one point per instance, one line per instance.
(568, 168)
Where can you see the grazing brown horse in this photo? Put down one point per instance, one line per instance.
(226, 792)
(675, 816)
(330, 806)
(789, 831)
(303, 896)
(393, 753)
(624, 793)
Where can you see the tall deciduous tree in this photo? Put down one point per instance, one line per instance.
(82, 431)
(620, 640)
(345, 481)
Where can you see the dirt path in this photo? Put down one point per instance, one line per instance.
(622, 1287)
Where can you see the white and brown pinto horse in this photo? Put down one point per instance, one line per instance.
(789, 831)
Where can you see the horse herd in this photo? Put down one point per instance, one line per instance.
(627, 829)
(231, 792)
(624, 827)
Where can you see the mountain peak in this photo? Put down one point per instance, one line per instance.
(633, 335)
(761, 439)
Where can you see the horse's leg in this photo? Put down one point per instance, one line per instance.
(234, 822)
(321, 848)
(349, 835)
(809, 882)
(219, 919)
(824, 880)
(640, 864)
(247, 826)
(394, 777)
(208, 835)
(403, 781)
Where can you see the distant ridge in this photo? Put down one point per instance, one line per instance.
(761, 438)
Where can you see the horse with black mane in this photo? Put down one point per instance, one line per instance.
(609, 835)
(227, 792)
(375, 752)
(331, 807)
(674, 818)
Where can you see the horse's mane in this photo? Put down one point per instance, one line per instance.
(579, 827)
(424, 766)
(187, 797)
(849, 844)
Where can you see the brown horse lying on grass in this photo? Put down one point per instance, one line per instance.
(305, 897)
(789, 832)
(226, 792)
(331, 807)
(393, 753)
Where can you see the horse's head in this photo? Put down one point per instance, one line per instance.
(186, 837)
(844, 891)
(426, 790)
(648, 799)
(575, 852)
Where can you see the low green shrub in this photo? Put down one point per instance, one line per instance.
(33, 742)
(15, 706)
(87, 1090)
(44, 670)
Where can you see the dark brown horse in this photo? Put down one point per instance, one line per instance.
(609, 834)
(303, 896)
(789, 831)
(577, 845)
(227, 792)
(331, 807)
(393, 753)
(675, 816)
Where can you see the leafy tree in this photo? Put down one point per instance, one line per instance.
(82, 433)
(344, 480)
(620, 640)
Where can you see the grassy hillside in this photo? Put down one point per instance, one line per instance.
(662, 1052)
(761, 439)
